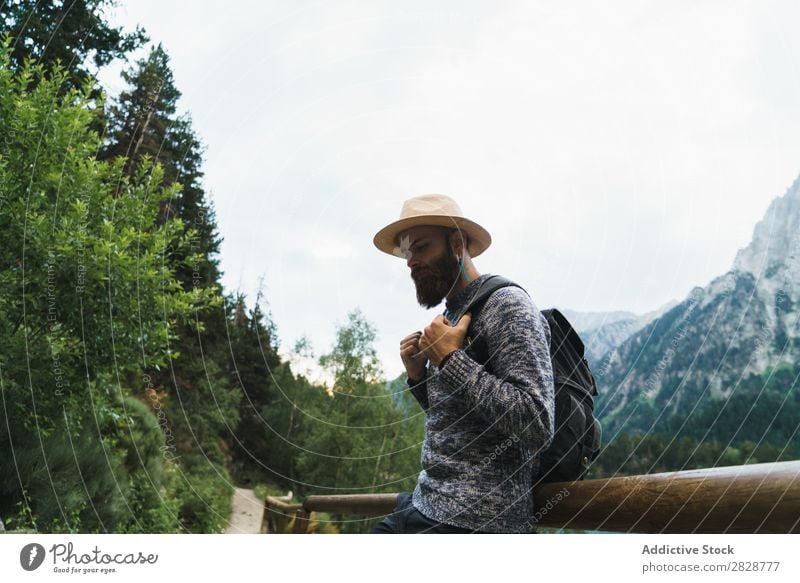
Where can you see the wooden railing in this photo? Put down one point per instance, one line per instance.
(754, 498)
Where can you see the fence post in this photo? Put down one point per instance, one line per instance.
(301, 518)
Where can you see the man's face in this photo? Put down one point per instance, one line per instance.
(433, 265)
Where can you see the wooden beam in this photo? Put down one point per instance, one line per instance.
(282, 512)
(361, 504)
(278, 504)
(754, 498)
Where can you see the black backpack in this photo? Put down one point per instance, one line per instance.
(577, 436)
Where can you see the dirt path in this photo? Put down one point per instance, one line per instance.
(246, 513)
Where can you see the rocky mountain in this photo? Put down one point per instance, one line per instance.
(583, 321)
(600, 340)
(604, 331)
(721, 363)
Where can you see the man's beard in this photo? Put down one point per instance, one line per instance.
(435, 280)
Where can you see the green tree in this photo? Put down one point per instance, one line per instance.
(89, 300)
(355, 436)
(261, 443)
(144, 122)
(72, 33)
(201, 390)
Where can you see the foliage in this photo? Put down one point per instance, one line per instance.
(198, 390)
(205, 493)
(65, 34)
(354, 436)
(758, 420)
(764, 407)
(88, 300)
(634, 454)
(144, 122)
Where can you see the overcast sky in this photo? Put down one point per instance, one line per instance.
(618, 152)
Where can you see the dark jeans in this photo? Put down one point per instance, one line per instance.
(406, 519)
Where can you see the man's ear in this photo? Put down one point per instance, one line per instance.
(458, 242)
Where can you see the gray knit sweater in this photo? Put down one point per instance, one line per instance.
(486, 425)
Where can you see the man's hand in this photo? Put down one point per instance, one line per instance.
(413, 358)
(440, 338)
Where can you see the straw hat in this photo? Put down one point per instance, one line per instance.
(432, 209)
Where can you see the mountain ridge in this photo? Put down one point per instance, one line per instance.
(721, 338)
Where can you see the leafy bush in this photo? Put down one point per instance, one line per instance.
(204, 495)
(88, 301)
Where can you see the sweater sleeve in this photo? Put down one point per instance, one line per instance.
(518, 396)
(420, 392)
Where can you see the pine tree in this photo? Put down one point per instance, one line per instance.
(144, 123)
(268, 414)
(222, 386)
(72, 32)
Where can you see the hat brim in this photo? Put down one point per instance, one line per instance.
(479, 238)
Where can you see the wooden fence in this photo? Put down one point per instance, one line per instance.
(754, 498)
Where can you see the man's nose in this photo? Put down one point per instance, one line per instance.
(412, 262)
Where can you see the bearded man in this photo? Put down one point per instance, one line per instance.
(485, 426)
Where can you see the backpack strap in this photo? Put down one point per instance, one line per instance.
(490, 285)
(566, 347)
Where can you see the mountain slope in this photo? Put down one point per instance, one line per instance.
(726, 354)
